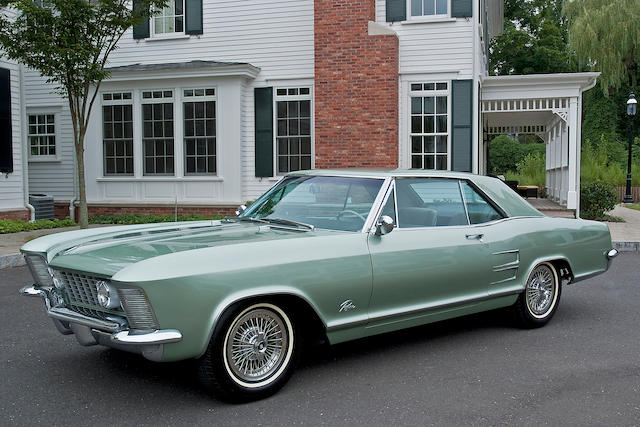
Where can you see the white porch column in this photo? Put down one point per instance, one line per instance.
(574, 156)
(564, 162)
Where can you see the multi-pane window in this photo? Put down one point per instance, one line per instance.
(157, 132)
(429, 7)
(293, 129)
(42, 135)
(199, 108)
(429, 127)
(169, 19)
(117, 133)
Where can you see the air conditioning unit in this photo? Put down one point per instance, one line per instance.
(43, 205)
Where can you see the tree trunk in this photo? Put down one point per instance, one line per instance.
(83, 217)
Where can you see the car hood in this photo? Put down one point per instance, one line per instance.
(108, 252)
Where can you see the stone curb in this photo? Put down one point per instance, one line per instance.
(17, 260)
(11, 260)
(627, 246)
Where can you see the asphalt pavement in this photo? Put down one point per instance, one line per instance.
(582, 369)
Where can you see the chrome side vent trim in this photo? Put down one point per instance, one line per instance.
(138, 309)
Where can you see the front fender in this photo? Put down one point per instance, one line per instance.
(189, 291)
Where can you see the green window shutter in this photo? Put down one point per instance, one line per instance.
(461, 8)
(193, 16)
(141, 30)
(6, 140)
(462, 119)
(263, 97)
(396, 10)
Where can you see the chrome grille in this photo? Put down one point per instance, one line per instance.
(80, 289)
(139, 312)
(81, 293)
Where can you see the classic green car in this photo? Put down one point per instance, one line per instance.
(331, 254)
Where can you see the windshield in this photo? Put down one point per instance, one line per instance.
(334, 203)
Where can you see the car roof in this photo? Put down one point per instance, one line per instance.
(508, 200)
(384, 173)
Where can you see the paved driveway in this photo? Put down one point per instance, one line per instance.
(582, 369)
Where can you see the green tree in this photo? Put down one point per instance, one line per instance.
(534, 40)
(69, 43)
(606, 35)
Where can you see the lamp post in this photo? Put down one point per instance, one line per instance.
(632, 105)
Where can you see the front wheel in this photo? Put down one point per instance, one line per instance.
(540, 299)
(252, 354)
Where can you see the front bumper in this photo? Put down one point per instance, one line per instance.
(112, 332)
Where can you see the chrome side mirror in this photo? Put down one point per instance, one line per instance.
(240, 209)
(384, 225)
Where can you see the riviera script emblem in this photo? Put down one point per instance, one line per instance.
(346, 306)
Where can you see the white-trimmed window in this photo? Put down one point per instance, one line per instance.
(429, 8)
(169, 20)
(199, 115)
(117, 133)
(293, 129)
(41, 134)
(429, 125)
(157, 132)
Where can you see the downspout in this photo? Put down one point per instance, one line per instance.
(25, 152)
(475, 128)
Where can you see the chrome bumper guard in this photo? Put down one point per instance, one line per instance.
(112, 333)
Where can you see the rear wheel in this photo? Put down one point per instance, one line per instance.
(252, 354)
(541, 296)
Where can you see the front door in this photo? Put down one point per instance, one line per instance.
(432, 261)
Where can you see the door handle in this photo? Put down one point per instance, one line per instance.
(474, 236)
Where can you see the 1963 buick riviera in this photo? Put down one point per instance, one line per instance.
(337, 255)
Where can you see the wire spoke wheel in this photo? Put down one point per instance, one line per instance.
(257, 345)
(541, 291)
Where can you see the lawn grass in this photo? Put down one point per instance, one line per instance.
(635, 206)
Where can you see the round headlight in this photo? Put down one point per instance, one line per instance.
(107, 295)
(57, 281)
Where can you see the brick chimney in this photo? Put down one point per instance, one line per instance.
(356, 87)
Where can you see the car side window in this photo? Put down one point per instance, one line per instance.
(429, 202)
(480, 211)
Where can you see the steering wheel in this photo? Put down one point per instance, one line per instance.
(349, 211)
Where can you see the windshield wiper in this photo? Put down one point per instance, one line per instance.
(244, 218)
(289, 222)
(280, 221)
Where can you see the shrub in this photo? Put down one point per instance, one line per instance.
(134, 218)
(607, 162)
(505, 153)
(15, 226)
(597, 198)
(530, 171)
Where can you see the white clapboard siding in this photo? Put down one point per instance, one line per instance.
(55, 178)
(433, 47)
(11, 185)
(276, 36)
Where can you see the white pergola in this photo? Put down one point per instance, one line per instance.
(547, 105)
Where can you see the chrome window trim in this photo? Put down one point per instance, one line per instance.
(464, 202)
(484, 224)
(378, 204)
